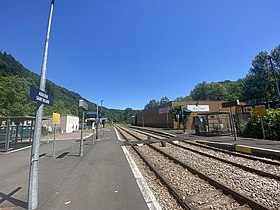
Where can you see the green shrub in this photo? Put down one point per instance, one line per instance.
(252, 127)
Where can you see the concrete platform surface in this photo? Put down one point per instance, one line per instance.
(102, 179)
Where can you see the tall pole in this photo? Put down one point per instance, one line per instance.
(275, 77)
(101, 106)
(101, 118)
(34, 159)
(82, 136)
(54, 140)
(233, 125)
(7, 144)
(96, 121)
(262, 127)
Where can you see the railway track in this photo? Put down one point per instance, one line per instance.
(266, 168)
(206, 194)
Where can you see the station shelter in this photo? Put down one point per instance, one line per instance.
(16, 130)
(213, 123)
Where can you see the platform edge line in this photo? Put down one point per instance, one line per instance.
(142, 184)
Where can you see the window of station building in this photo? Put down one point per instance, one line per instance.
(247, 109)
(239, 110)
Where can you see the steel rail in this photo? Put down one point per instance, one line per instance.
(172, 190)
(236, 195)
(234, 153)
(130, 133)
(165, 134)
(181, 201)
(246, 168)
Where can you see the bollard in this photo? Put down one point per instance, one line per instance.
(163, 143)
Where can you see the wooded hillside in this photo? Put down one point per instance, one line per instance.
(15, 82)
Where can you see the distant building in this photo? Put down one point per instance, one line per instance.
(68, 124)
(158, 116)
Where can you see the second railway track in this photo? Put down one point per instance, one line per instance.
(235, 198)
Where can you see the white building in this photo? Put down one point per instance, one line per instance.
(68, 124)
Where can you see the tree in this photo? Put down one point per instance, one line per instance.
(179, 115)
(152, 103)
(211, 91)
(163, 100)
(260, 82)
(128, 112)
(186, 98)
(15, 82)
(200, 91)
(14, 97)
(216, 91)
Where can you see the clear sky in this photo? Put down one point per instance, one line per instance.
(127, 52)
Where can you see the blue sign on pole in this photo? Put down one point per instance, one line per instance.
(40, 96)
(93, 114)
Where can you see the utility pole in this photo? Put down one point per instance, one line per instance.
(97, 121)
(34, 159)
(101, 119)
(81, 153)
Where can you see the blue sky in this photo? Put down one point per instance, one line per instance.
(127, 52)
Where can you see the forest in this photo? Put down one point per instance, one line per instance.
(260, 82)
(15, 82)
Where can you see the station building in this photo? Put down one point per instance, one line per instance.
(207, 116)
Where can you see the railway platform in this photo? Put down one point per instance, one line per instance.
(105, 180)
(101, 179)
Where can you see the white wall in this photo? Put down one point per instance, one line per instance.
(68, 123)
(72, 123)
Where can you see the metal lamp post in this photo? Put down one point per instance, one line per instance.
(84, 106)
(96, 121)
(33, 173)
(101, 117)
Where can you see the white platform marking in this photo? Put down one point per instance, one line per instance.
(142, 184)
(117, 133)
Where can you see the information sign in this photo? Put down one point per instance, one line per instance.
(83, 104)
(164, 110)
(198, 108)
(259, 111)
(40, 96)
(56, 118)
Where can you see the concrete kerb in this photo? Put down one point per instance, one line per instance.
(251, 150)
